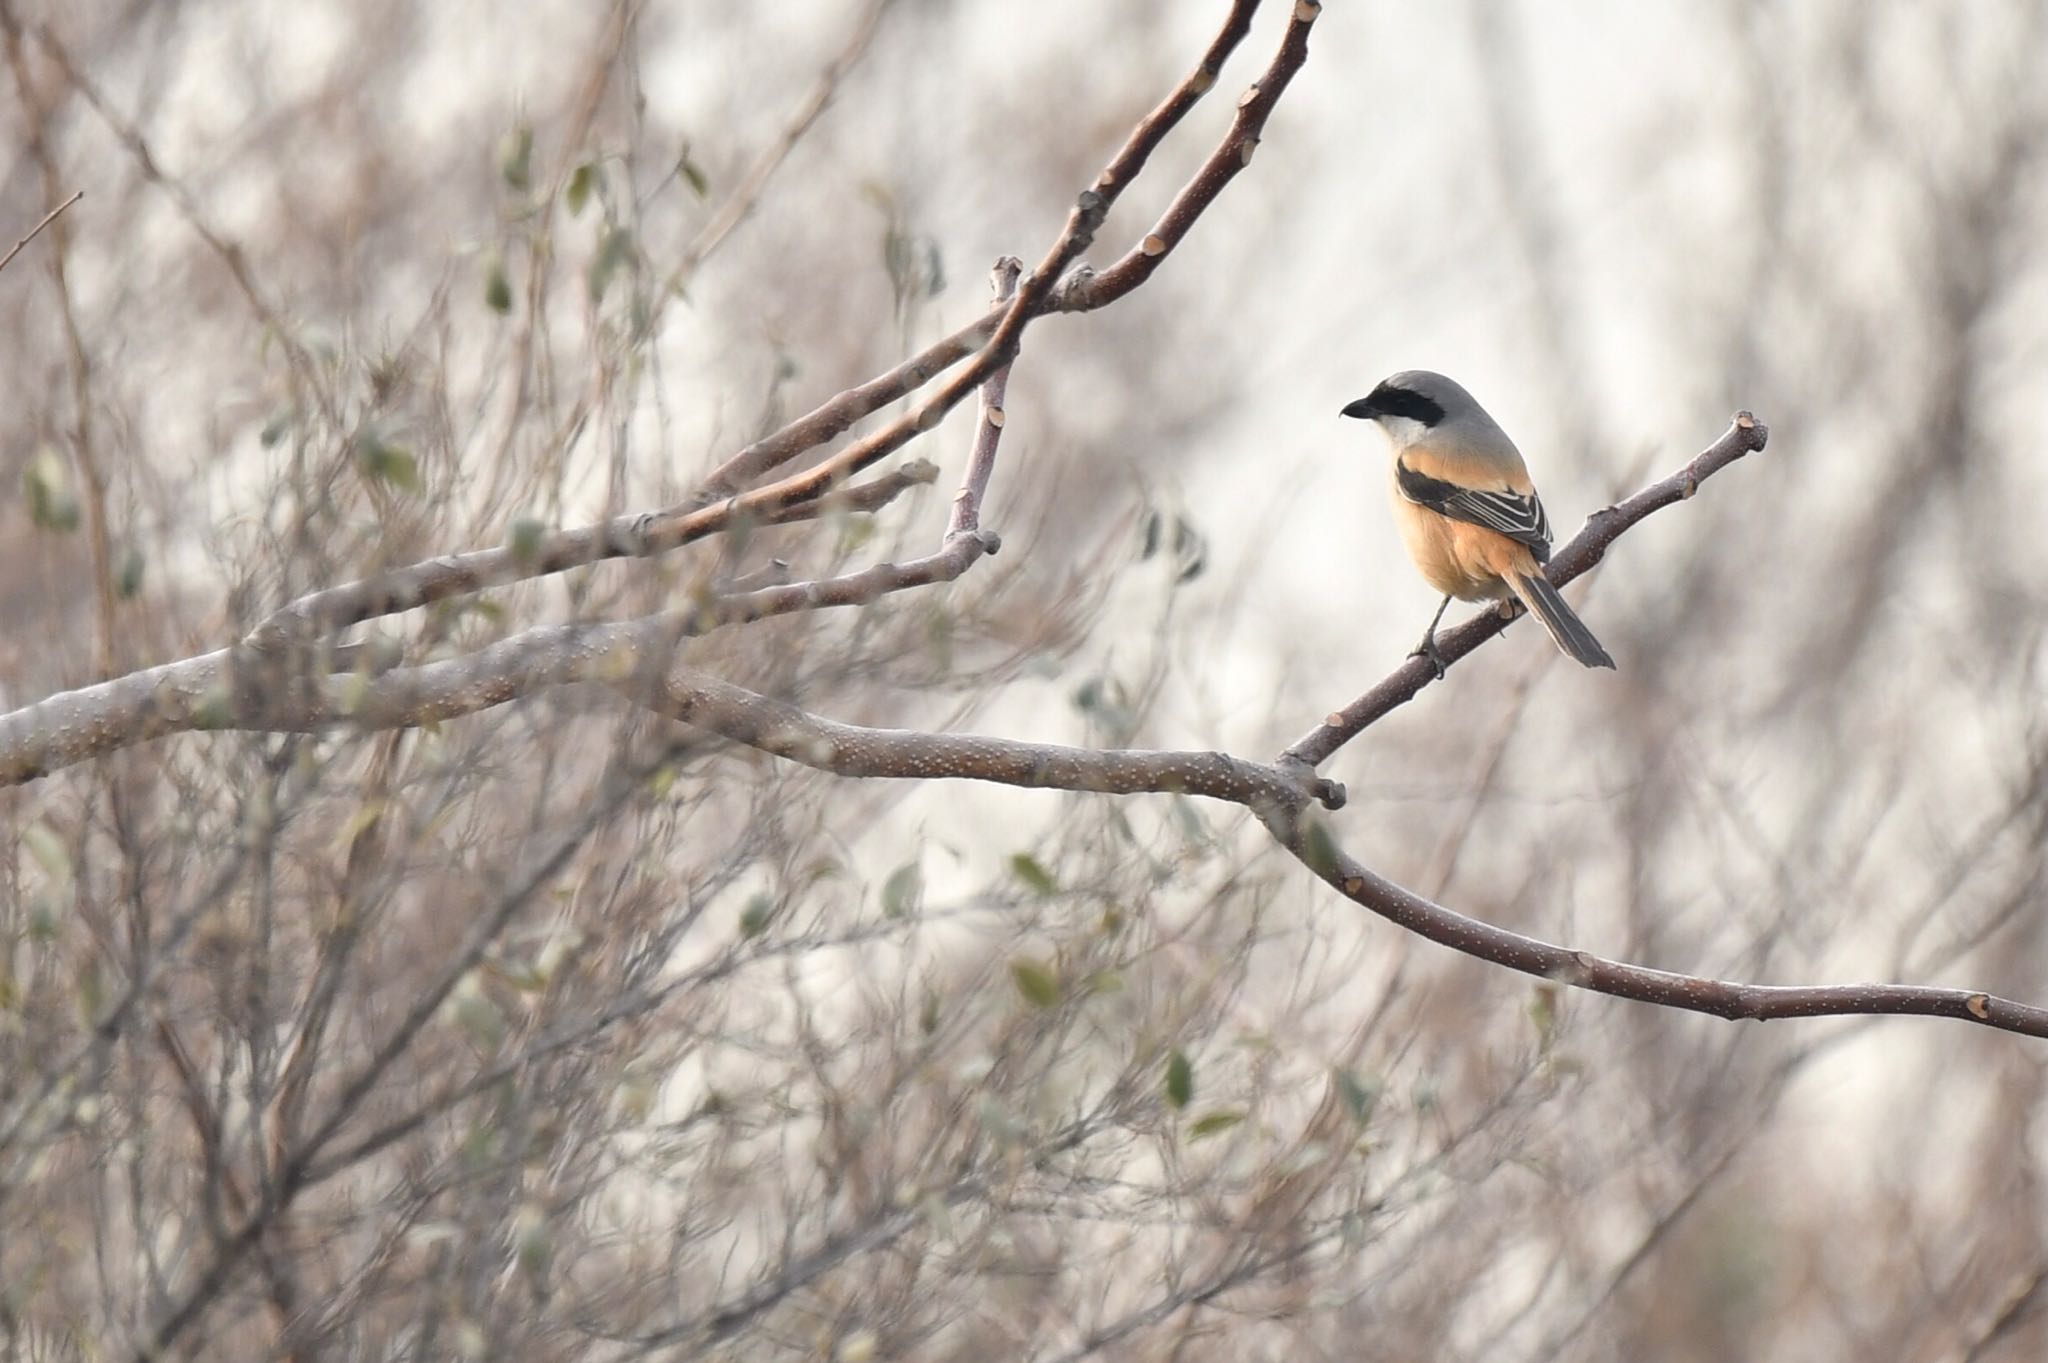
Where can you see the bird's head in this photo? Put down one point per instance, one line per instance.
(1410, 404)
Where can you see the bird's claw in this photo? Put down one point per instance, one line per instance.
(1428, 649)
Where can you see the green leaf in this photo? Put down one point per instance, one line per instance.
(277, 427)
(1319, 849)
(497, 283)
(754, 918)
(128, 573)
(1035, 981)
(581, 181)
(1214, 1123)
(693, 174)
(515, 157)
(525, 538)
(385, 462)
(1028, 869)
(46, 483)
(1180, 1080)
(1358, 1095)
(396, 466)
(614, 248)
(1543, 1015)
(855, 530)
(903, 891)
(48, 849)
(999, 1121)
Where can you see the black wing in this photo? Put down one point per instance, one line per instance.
(1517, 515)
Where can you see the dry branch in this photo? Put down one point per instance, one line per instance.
(35, 231)
(999, 336)
(1583, 970)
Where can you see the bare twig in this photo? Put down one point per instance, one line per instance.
(229, 253)
(988, 431)
(739, 204)
(35, 231)
(323, 612)
(1087, 291)
(621, 782)
(1583, 970)
(618, 655)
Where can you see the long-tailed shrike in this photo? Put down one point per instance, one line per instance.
(1466, 507)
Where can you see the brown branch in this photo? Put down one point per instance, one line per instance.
(871, 495)
(1086, 291)
(853, 750)
(657, 532)
(850, 750)
(837, 414)
(988, 430)
(1036, 294)
(36, 231)
(1583, 970)
(1745, 435)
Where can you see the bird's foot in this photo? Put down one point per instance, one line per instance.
(1428, 649)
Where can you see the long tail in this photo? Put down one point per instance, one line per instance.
(1569, 632)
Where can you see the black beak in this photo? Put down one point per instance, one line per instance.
(1362, 408)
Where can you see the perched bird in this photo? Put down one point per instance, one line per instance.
(1467, 509)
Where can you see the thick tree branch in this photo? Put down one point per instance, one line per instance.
(633, 657)
(852, 750)
(1744, 435)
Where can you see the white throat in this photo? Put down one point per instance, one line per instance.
(1402, 431)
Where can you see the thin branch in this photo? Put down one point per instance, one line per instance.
(1583, 970)
(657, 532)
(36, 231)
(621, 782)
(184, 200)
(1087, 290)
(837, 414)
(1745, 435)
(740, 203)
(221, 691)
(872, 495)
(988, 431)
